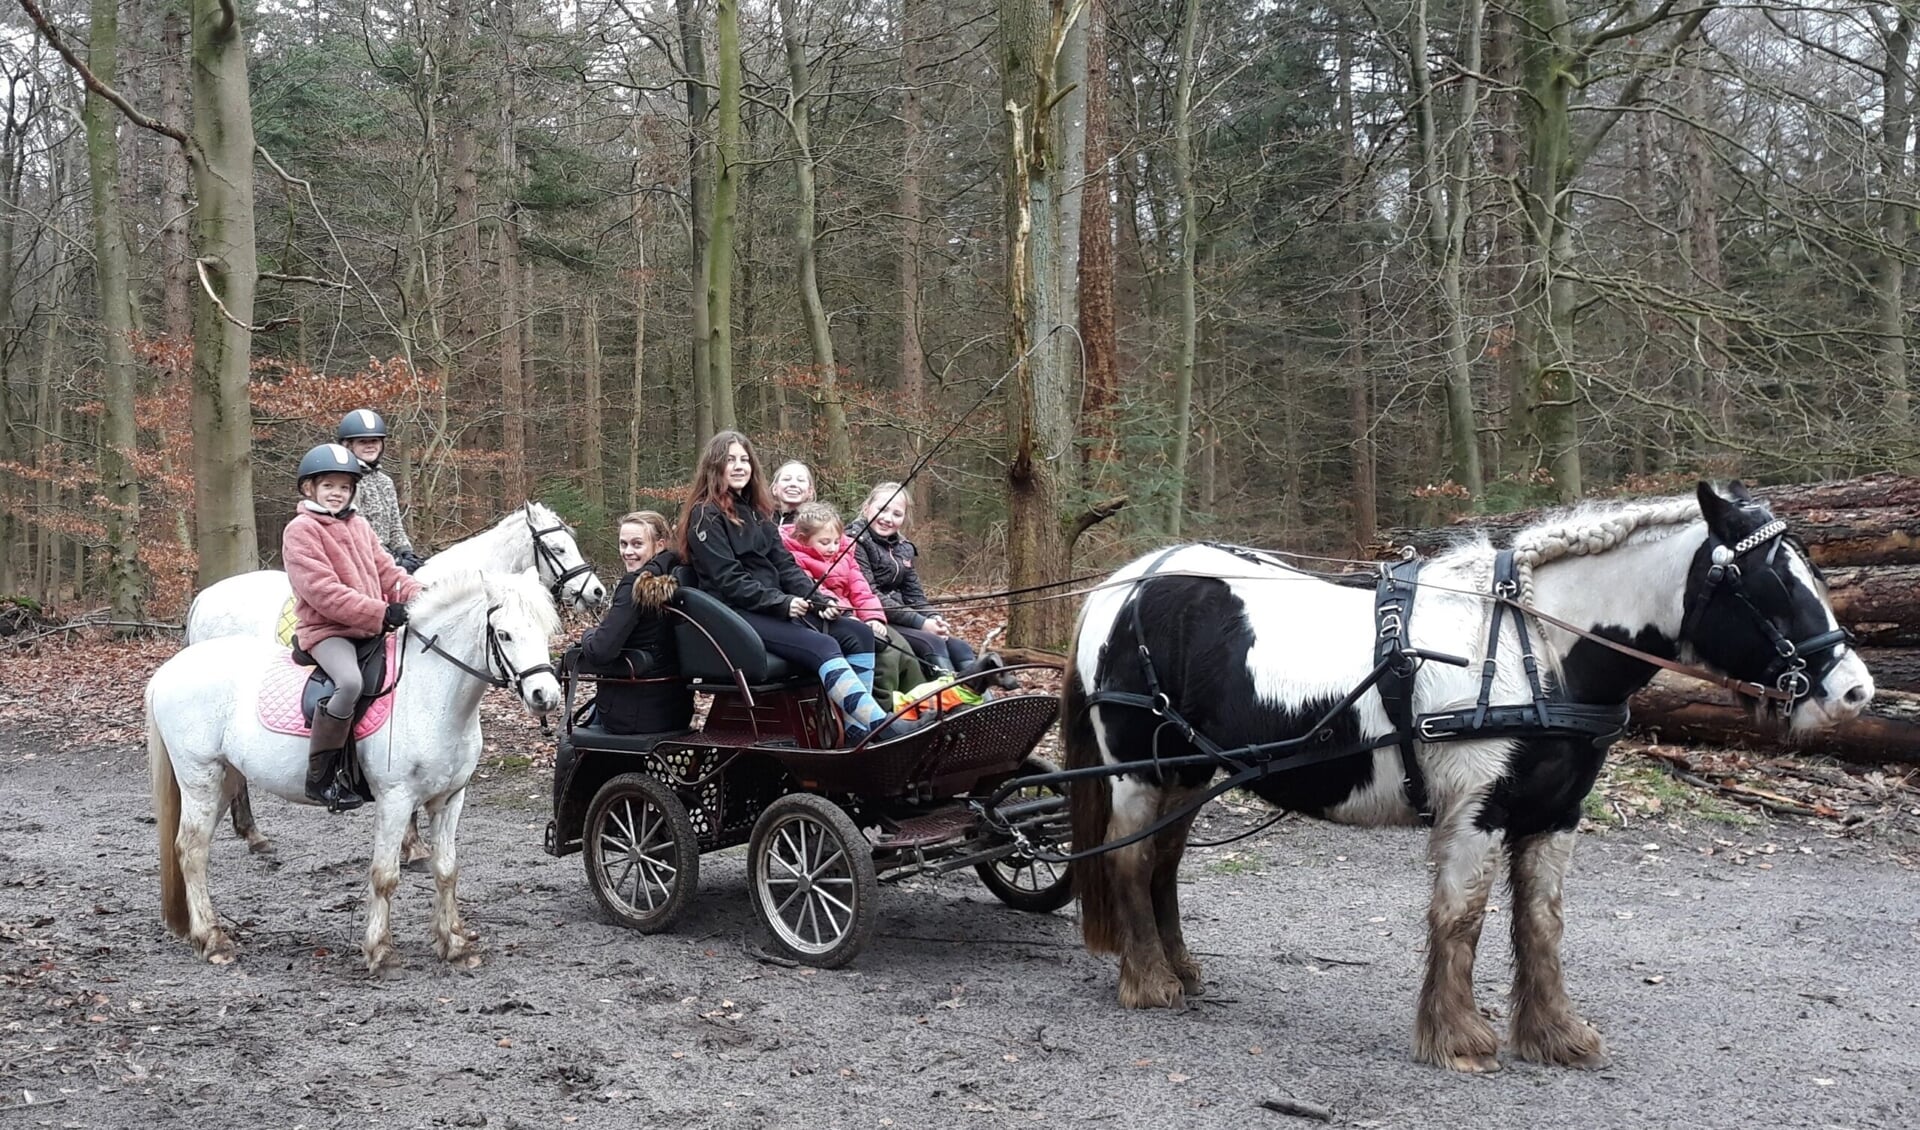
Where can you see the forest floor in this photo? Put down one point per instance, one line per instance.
(1751, 948)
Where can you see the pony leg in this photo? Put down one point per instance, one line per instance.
(1545, 1027)
(451, 938)
(383, 876)
(239, 801)
(1449, 1030)
(414, 849)
(199, 812)
(1169, 847)
(1147, 977)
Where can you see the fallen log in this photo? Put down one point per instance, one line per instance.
(1868, 521)
(1879, 604)
(1894, 668)
(1678, 709)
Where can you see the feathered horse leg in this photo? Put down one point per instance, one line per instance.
(1449, 1030)
(1545, 1027)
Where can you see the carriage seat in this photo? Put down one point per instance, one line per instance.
(707, 669)
(594, 738)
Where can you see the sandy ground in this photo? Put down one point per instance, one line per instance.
(1758, 975)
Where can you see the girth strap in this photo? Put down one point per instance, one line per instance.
(1393, 612)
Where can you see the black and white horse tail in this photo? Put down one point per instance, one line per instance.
(1091, 804)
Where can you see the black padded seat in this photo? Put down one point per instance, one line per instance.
(593, 737)
(708, 668)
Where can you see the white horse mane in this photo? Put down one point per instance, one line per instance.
(490, 543)
(518, 594)
(1582, 531)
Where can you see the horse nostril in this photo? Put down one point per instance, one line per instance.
(1856, 696)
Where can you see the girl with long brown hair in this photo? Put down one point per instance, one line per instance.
(728, 535)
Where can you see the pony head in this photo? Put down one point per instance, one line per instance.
(512, 622)
(560, 561)
(1757, 609)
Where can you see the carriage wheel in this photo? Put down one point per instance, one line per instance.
(1019, 880)
(811, 872)
(642, 857)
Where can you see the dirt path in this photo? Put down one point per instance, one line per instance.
(1756, 977)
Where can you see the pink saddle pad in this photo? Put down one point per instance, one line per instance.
(286, 681)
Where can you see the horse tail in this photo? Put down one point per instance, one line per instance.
(166, 819)
(1091, 803)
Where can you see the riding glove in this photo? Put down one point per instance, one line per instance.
(396, 615)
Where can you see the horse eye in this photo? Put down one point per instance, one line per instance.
(505, 637)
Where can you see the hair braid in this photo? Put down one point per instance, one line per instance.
(1584, 534)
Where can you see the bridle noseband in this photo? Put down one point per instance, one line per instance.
(1787, 672)
(515, 679)
(547, 557)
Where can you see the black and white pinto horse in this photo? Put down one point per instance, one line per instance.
(1248, 650)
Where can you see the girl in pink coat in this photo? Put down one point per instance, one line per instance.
(823, 551)
(346, 589)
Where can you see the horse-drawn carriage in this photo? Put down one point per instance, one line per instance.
(823, 825)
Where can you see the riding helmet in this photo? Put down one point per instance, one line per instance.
(330, 458)
(362, 423)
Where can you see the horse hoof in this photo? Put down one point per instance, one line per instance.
(382, 960)
(418, 864)
(1574, 1043)
(1474, 1064)
(1191, 981)
(262, 846)
(221, 951)
(1164, 992)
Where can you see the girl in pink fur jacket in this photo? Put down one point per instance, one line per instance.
(346, 589)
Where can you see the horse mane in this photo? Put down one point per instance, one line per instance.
(1596, 527)
(517, 593)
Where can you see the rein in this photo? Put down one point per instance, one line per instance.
(516, 679)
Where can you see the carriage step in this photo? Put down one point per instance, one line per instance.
(929, 828)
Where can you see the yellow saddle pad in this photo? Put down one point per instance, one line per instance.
(283, 632)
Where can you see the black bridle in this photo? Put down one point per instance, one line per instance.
(496, 654)
(548, 558)
(1787, 671)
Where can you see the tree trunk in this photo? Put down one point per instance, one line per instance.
(913, 361)
(1040, 405)
(13, 532)
(222, 161)
(1097, 327)
(819, 334)
(639, 405)
(700, 211)
(1686, 710)
(118, 482)
(1896, 224)
(1548, 69)
(592, 422)
(1189, 238)
(1363, 492)
(513, 419)
(728, 170)
(176, 248)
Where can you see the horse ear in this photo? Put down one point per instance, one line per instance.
(1737, 491)
(1716, 509)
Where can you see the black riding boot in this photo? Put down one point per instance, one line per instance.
(323, 762)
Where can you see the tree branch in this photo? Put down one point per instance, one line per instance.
(52, 36)
(1631, 93)
(206, 284)
(1095, 514)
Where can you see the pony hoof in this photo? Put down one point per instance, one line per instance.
(382, 961)
(1572, 1044)
(1191, 981)
(1474, 1064)
(220, 950)
(1162, 992)
(262, 846)
(453, 947)
(418, 864)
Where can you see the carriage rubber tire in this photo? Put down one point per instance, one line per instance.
(666, 839)
(1008, 889)
(812, 830)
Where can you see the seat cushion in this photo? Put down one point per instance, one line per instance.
(593, 737)
(719, 641)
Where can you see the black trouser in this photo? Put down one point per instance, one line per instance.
(947, 655)
(805, 641)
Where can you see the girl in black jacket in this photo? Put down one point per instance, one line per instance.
(728, 535)
(635, 641)
(887, 558)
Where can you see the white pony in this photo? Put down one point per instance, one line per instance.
(249, 604)
(205, 740)
(533, 537)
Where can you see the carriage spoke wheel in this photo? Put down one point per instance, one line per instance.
(642, 856)
(1019, 880)
(811, 872)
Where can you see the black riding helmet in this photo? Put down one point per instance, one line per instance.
(361, 423)
(330, 458)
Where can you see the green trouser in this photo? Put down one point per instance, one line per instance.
(895, 668)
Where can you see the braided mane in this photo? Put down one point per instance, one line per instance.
(1595, 528)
